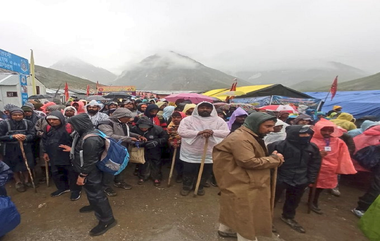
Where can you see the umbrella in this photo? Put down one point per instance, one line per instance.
(40, 97)
(115, 95)
(96, 97)
(193, 97)
(285, 108)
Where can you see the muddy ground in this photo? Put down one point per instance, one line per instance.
(161, 214)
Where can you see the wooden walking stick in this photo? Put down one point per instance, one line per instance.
(201, 168)
(26, 164)
(172, 166)
(47, 173)
(274, 181)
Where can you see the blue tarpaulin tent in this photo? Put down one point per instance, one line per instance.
(357, 103)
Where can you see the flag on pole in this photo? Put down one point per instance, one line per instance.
(32, 72)
(334, 87)
(233, 88)
(88, 90)
(66, 92)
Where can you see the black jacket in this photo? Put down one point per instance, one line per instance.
(53, 138)
(302, 161)
(87, 152)
(153, 134)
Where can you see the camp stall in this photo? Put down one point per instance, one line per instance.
(261, 95)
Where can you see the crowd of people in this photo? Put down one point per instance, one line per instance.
(252, 157)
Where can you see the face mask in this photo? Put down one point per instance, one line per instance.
(304, 140)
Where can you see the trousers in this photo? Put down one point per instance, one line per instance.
(65, 178)
(190, 175)
(292, 200)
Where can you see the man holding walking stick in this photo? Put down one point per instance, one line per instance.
(13, 132)
(194, 130)
(242, 168)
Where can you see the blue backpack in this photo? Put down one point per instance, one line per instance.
(115, 156)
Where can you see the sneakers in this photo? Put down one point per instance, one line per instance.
(201, 192)
(358, 213)
(185, 192)
(123, 185)
(102, 228)
(20, 187)
(157, 183)
(75, 195)
(140, 181)
(110, 192)
(227, 235)
(335, 192)
(59, 193)
(86, 209)
(316, 209)
(293, 224)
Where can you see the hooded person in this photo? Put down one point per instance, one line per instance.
(12, 131)
(161, 105)
(337, 109)
(151, 112)
(93, 110)
(242, 168)
(154, 138)
(57, 133)
(167, 113)
(117, 128)
(300, 168)
(364, 126)
(203, 123)
(69, 112)
(7, 109)
(29, 112)
(335, 158)
(237, 119)
(368, 142)
(302, 119)
(188, 109)
(344, 120)
(278, 133)
(79, 106)
(141, 108)
(111, 107)
(130, 106)
(87, 147)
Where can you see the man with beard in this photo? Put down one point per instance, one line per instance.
(301, 167)
(203, 123)
(93, 110)
(12, 131)
(85, 152)
(69, 112)
(242, 168)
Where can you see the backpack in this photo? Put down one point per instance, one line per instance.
(115, 156)
(368, 157)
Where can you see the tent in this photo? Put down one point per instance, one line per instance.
(258, 91)
(357, 103)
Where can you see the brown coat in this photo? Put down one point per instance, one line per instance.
(242, 171)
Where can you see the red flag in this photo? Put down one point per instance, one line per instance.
(334, 87)
(233, 88)
(66, 92)
(88, 90)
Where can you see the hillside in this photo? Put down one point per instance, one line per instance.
(52, 79)
(77, 67)
(371, 82)
(172, 71)
(304, 77)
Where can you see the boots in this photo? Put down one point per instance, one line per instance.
(101, 228)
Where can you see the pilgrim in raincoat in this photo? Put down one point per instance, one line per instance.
(337, 161)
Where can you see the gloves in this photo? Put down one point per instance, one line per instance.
(151, 144)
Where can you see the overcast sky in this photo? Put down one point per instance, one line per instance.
(228, 35)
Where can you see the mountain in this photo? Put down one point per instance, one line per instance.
(52, 79)
(77, 67)
(304, 76)
(367, 83)
(172, 71)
